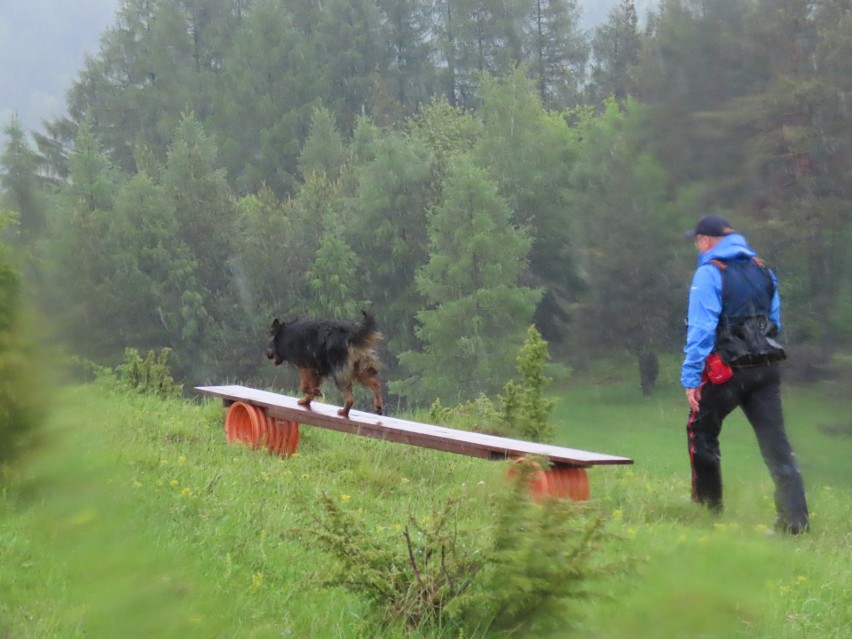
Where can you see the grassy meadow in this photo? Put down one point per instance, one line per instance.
(134, 518)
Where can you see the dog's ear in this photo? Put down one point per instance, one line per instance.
(276, 326)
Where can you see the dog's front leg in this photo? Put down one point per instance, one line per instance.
(306, 386)
(316, 381)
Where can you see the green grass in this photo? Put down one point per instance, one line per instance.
(136, 519)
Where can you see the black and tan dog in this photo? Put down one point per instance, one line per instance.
(323, 348)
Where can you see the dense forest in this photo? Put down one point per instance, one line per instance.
(461, 168)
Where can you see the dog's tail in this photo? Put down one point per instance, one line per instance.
(367, 335)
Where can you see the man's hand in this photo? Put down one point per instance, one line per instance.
(693, 396)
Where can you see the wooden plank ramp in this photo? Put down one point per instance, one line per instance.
(285, 408)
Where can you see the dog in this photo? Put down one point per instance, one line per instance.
(329, 348)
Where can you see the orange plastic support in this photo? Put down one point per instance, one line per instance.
(245, 424)
(282, 436)
(556, 483)
(568, 483)
(250, 425)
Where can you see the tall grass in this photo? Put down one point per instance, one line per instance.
(136, 519)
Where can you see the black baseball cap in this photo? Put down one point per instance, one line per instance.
(712, 225)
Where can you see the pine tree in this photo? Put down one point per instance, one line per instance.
(410, 72)
(629, 239)
(386, 226)
(273, 79)
(616, 46)
(324, 152)
(557, 51)
(474, 37)
(525, 408)
(20, 181)
(529, 151)
(477, 310)
(203, 202)
(332, 280)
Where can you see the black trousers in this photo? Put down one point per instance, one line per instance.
(757, 390)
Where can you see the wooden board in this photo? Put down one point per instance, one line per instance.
(407, 432)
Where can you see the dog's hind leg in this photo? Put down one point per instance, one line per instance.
(372, 381)
(348, 400)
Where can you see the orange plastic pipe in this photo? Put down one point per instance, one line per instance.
(282, 436)
(245, 424)
(556, 483)
(568, 483)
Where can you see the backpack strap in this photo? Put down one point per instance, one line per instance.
(722, 266)
(719, 264)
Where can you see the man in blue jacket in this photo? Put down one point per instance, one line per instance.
(731, 359)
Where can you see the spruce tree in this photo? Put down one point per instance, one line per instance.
(477, 308)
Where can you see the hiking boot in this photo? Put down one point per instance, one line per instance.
(781, 525)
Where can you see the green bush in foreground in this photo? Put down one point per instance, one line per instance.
(19, 400)
(433, 575)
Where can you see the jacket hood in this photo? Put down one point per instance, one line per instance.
(732, 246)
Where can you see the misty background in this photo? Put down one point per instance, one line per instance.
(43, 44)
(42, 47)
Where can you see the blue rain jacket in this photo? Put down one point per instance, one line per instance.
(705, 306)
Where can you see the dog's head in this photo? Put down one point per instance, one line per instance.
(273, 352)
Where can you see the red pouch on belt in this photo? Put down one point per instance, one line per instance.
(716, 370)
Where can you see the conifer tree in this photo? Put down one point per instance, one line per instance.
(324, 152)
(22, 191)
(616, 45)
(525, 408)
(206, 221)
(203, 203)
(332, 280)
(385, 225)
(273, 79)
(477, 309)
(474, 37)
(151, 299)
(629, 241)
(265, 249)
(410, 70)
(80, 266)
(556, 51)
(528, 152)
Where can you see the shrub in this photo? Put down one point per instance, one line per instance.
(408, 576)
(20, 403)
(435, 575)
(148, 376)
(541, 559)
(479, 415)
(525, 409)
